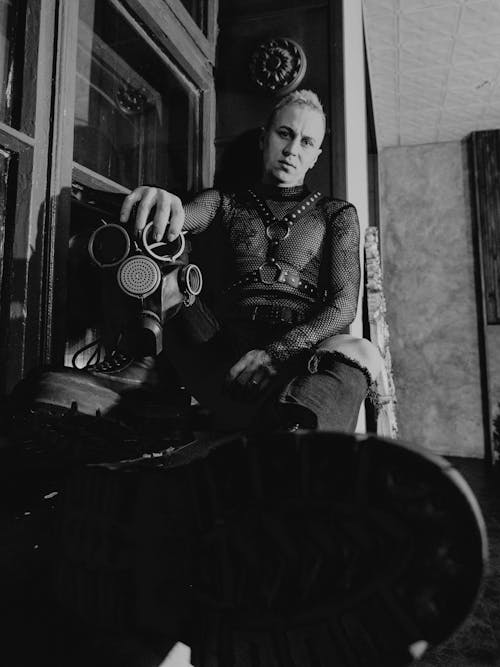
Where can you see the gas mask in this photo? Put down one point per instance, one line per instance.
(154, 281)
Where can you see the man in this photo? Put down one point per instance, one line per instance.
(266, 548)
(288, 294)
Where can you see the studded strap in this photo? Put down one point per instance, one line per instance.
(291, 217)
(277, 230)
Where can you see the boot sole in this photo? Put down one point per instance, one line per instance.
(304, 549)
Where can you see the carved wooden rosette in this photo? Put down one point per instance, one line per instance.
(278, 65)
(379, 334)
(130, 100)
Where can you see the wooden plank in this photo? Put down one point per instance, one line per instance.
(208, 129)
(337, 102)
(475, 167)
(92, 179)
(30, 68)
(487, 159)
(59, 204)
(6, 175)
(41, 14)
(15, 297)
(13, 139)
(12, 101)
(200, 35)
(30, 192)
(165, 26)
(212, 26)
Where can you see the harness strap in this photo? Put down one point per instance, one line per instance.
(271, 272)
(277, 230)
(268, 313)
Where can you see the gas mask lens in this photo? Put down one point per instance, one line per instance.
(190, 280)
(109, 245)
(162, 251)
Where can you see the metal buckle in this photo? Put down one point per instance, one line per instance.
(269, 271)
(278, 231)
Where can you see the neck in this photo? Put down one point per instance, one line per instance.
(266, 180)
(267, 190)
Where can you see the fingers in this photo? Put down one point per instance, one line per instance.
(148, 200)
(162, 216)
(168, 211)
(129, 202)
(252, 373)
(237, 369)
(176, 218)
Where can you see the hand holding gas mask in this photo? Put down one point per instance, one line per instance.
(154, 273)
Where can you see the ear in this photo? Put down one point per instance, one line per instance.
(262, 137)
(316, 158)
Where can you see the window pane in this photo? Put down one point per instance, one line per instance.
(197, 10)
(11, 35)
(133, 118)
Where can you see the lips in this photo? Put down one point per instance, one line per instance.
(287, 164)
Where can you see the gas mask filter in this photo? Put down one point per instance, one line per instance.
(155, 273)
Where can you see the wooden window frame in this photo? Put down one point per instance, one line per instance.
(25, 341)
(44, 149)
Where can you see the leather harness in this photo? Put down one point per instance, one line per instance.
(277, 230)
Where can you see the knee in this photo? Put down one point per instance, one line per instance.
(361, 350)
(369, 356)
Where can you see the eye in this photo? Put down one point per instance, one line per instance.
(306, 141)
(284, 134)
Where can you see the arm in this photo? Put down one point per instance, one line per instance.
(194, 217)
(341, 280)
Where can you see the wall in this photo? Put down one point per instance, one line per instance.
(429, 285)
(240, 104)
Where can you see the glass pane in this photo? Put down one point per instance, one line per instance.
(133, 118)
(11, 35)
(5, 258)
(197, 10)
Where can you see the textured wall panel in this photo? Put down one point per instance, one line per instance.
(429, 287)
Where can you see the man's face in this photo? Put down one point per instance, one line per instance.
(291, 145)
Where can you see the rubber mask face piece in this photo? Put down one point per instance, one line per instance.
(155, 273)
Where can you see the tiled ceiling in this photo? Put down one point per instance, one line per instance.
(434, 68)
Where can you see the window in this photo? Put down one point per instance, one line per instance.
(12, 17)
(21, 228)
(197, 9)
(133, 115)
(97, 93)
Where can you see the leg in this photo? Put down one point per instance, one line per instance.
(330, 395)
(359, 350)
(202, 363)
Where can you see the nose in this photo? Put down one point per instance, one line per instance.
(292, 147)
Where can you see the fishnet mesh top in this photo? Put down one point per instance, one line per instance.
(323, 246)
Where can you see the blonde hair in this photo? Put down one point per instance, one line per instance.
(305, 98)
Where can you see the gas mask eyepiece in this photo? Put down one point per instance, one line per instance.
(109, 245)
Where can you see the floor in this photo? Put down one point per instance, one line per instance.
(477, 643)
